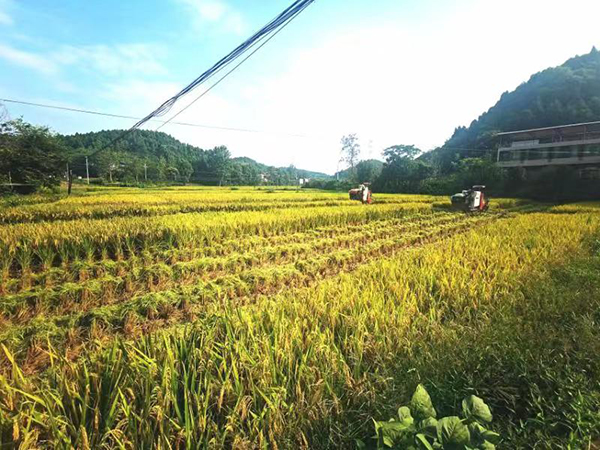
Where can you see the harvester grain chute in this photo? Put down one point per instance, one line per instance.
(362, 193)
(471, 200)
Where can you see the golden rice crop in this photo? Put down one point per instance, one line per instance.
(284, 325)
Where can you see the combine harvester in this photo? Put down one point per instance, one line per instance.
(471, 200)
(362, 194)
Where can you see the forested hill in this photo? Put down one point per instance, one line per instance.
(569, 93)
(142, 143)
(159, 157)
(264, 168)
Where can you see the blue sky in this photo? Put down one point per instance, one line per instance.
(392, 71)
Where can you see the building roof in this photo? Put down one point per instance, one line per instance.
(536, 130)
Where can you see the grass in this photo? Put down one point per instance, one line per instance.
(293, 332)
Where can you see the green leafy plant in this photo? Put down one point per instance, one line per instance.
(417, 426)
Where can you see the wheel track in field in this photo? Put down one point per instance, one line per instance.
(73, 334)
(107, 211)
(69, 248)
(84, 295)
(220, 247)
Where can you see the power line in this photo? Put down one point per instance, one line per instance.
(120, 116)
(228, 73)
(249, 130)
(280, 21)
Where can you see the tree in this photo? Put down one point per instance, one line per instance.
(291, 174)
(107, 162)
(185, 169)
(472, 171)
(401, 172)
(350, 153)
(132, 167)
(30, 154)
(401, 152)
(172, 173)
(218, 160)
(368, 170)
(251, 175)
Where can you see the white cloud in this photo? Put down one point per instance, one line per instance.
(397, 82)
(114, 60)
(209, 10)
(118, 60)
(235, 23)
(27, 59)
(5, 17)
(216, 12)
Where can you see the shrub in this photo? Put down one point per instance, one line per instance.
(416, 426)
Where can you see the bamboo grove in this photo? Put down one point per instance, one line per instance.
(247, 318)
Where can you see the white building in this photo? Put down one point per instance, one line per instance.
(575, 145)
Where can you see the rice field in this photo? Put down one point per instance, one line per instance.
(262, 318)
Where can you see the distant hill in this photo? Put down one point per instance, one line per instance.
(301, 172)
(161, 157)
(143, 143)
(569, 93)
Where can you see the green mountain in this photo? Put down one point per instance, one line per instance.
(157, 156)
(569, 93)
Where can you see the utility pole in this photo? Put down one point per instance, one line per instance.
(10, 181)
(69, 179)
(145, 172)
(87, 170)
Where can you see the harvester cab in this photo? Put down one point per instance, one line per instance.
(362, 193)
(471, 200)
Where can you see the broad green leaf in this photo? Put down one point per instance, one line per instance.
(429, 427)
(491, 436)
(480, 435)
(487, 446)
(476, 431)
(452, 432)
(390, 433)
(404, 413)
(421, 405)
(474, 408)
(388, 441)
(376, 425)
(380, 443)
(422, 442)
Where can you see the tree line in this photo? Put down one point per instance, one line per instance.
(35, 156)
(407, 169)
